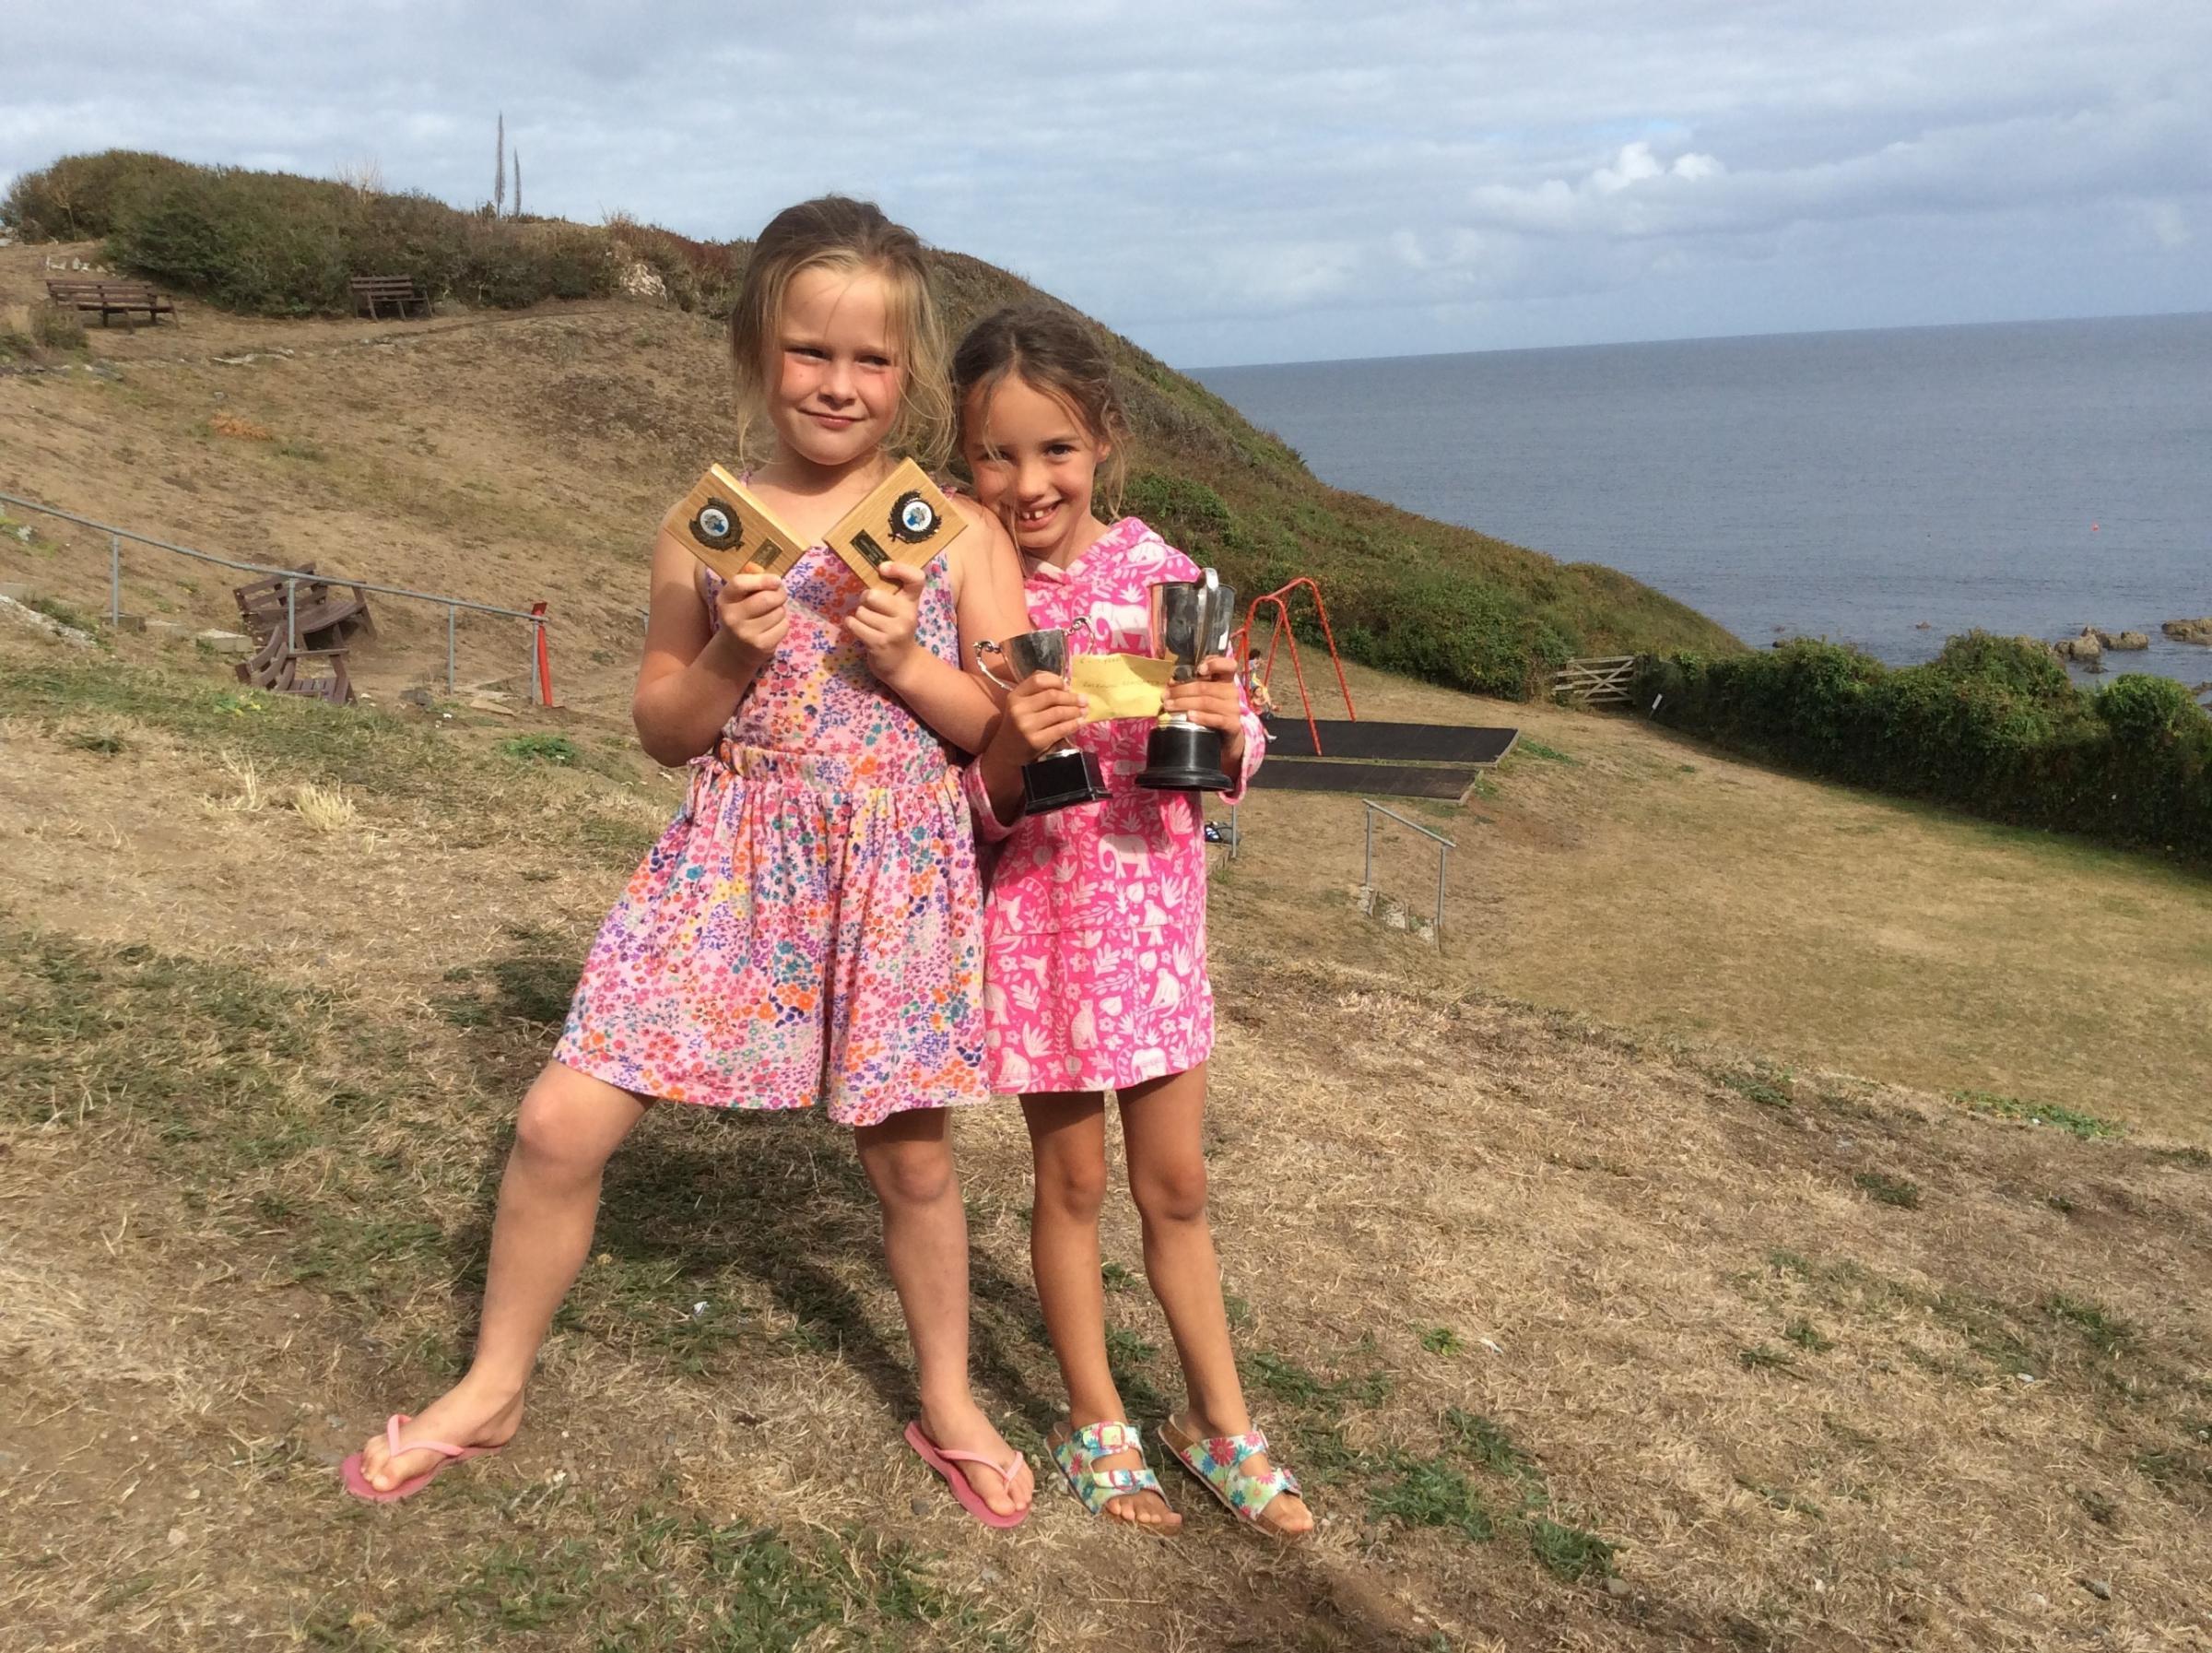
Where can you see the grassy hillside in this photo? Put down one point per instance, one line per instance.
(1443, 603)
(1577, 1339)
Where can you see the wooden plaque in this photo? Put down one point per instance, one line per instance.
(906, 519)
(727, 528)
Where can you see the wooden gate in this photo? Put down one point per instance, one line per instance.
(1600, 681)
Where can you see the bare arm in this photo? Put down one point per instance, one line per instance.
(693, 675)
(986, 589)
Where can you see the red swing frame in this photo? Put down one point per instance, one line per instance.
(1280, 599)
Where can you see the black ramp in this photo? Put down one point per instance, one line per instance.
(1287, 737)
(1388, 780)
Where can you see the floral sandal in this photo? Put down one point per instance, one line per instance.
(1095, 1488)
(1219, 1463)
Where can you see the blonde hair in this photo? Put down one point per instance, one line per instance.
(836, 232)
(1057, 353)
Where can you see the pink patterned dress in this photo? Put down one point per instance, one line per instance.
(1094, 917)
(810, 926)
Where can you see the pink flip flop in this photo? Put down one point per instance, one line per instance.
(359, 1484)
(943, 1459)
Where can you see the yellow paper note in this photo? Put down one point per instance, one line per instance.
(1119, 685)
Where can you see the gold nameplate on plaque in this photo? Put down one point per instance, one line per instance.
(1119, 686)
(722, 524)
(906, 519)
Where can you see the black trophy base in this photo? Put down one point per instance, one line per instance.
(1184, 757)
(1058, 780)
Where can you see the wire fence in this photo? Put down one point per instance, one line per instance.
(540, 671)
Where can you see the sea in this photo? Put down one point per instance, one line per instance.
(1884, 489)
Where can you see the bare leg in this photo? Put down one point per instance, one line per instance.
(568, 1126)
(908, 1159)
(1162, 1129)
(1067, 1134)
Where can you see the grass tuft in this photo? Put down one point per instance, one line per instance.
(1571, 1552)
(1889, 1190)
(2086, 1126)
(325, 809)
(1767, 1089)
(2100, 1330)
(542, 748)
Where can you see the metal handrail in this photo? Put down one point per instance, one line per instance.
(1444, 854)
(536, 621)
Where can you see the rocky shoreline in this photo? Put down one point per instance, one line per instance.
(2089, 649)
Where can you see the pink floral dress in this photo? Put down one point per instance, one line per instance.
(810, 926)
(1094, 917)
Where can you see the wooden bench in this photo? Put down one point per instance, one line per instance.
(322, 617)
(402, 292)
(275, 666)
(125, 298)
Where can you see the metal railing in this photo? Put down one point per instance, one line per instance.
(540, 671)
(1443, 855)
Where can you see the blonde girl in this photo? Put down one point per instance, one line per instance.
(808, 928)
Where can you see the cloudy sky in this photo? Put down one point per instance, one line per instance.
(1245, 182)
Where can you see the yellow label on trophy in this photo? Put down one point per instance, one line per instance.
(1119, 686)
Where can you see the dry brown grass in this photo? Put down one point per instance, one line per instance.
(244, 1213)
(1667, 887)
(243, 430)
(247, 1197)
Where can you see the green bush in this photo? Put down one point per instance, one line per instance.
(53, 328)
(1186, 513)
(2023, 665)
(75, 199)
(1984, 726)
(272, 244)
(2147, 711)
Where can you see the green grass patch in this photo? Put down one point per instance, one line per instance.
(2086, 1126)
(64, 614)
(2096, 1325)
(1442, 1339)
(665, 1577)
(1889, 1190)
(1764, 1086)
(1807, 1335)
(1115, 1277)
(542, 748)
(102, 743)
(1571, 1552)
(1429, 1492)
(1537, 748)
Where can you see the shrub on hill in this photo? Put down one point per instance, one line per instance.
(1406, 594)
(1985, 726)
(272, 244)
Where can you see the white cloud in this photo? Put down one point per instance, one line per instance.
(1272, 178)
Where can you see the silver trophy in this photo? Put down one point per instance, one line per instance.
(1068, 774)
(1191, 619)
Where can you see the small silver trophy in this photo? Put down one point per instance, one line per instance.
(1191, 619)
(1068, 774)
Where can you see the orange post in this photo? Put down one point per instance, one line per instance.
(545, 657)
